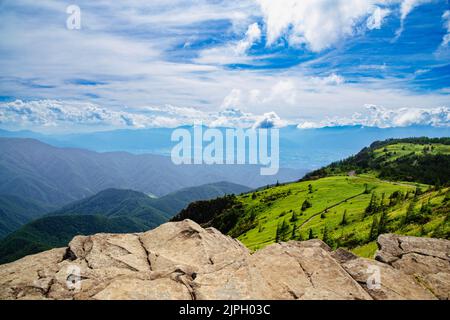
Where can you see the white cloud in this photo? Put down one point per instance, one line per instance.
(233, 99)
(376, 19)
(319, 24)
(269, 120)
(332, 79)
(234, 52)
(252, 36)
(52, 115)
(446, 18)
(377, 116)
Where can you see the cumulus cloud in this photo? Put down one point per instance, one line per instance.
(54, 114)
(269, 120)
(319, 24)
(378, 116)
(446, 18)
(50, 113)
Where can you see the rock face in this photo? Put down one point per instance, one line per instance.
(181, 260)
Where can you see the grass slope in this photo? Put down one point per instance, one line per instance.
(358, 188)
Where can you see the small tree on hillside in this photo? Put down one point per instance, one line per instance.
(310, 188)
(294, 233)
(382, 225)
(373, 229)
(326, 237)
(311, 234)
(294, 217)
(371, 208)
(410, 212)
(306, 204)
(344, 221)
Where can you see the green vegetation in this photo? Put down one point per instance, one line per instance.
(16, 211)
(421, 160)
(112, 210)
(56, 231)
(345, 208)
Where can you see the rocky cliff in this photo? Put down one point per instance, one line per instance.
(184, 261)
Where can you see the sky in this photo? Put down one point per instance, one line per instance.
(260, 63)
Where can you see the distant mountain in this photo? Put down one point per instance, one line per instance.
(304, 149)
(56, 231)
(111, 210)
(16, 211)
(57, 176)
(152, 211)
(112, 203)
(176, 201)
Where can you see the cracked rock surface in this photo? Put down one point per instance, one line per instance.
(181, 260)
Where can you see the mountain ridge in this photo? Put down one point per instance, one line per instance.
(107, 211)
(58, 176)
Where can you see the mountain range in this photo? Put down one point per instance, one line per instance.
(57, 176)
(111, 210)
(302, 149)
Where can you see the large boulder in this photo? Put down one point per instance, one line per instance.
(183, 261)
(425, 259)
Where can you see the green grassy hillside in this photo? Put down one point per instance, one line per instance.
(422, 160)
(347, 204)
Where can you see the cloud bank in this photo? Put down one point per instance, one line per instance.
(377, 116)
(49, 114)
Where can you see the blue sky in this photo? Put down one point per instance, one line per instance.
(227, 63)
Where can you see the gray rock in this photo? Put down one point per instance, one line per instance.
(182, 260)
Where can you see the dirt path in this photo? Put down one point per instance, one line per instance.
(315, 215)
(328, 208)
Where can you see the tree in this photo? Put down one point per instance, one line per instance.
(373, 229)
(306, 204)
(294, 217)
(294, 232)
(366, 188)
(310, 188)
(326, 237)
(372, 207)
(254, 196)
(382, 225)
(282, 232)
(344, 221)
(277, 235)
(311, 234)
(410, 213)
